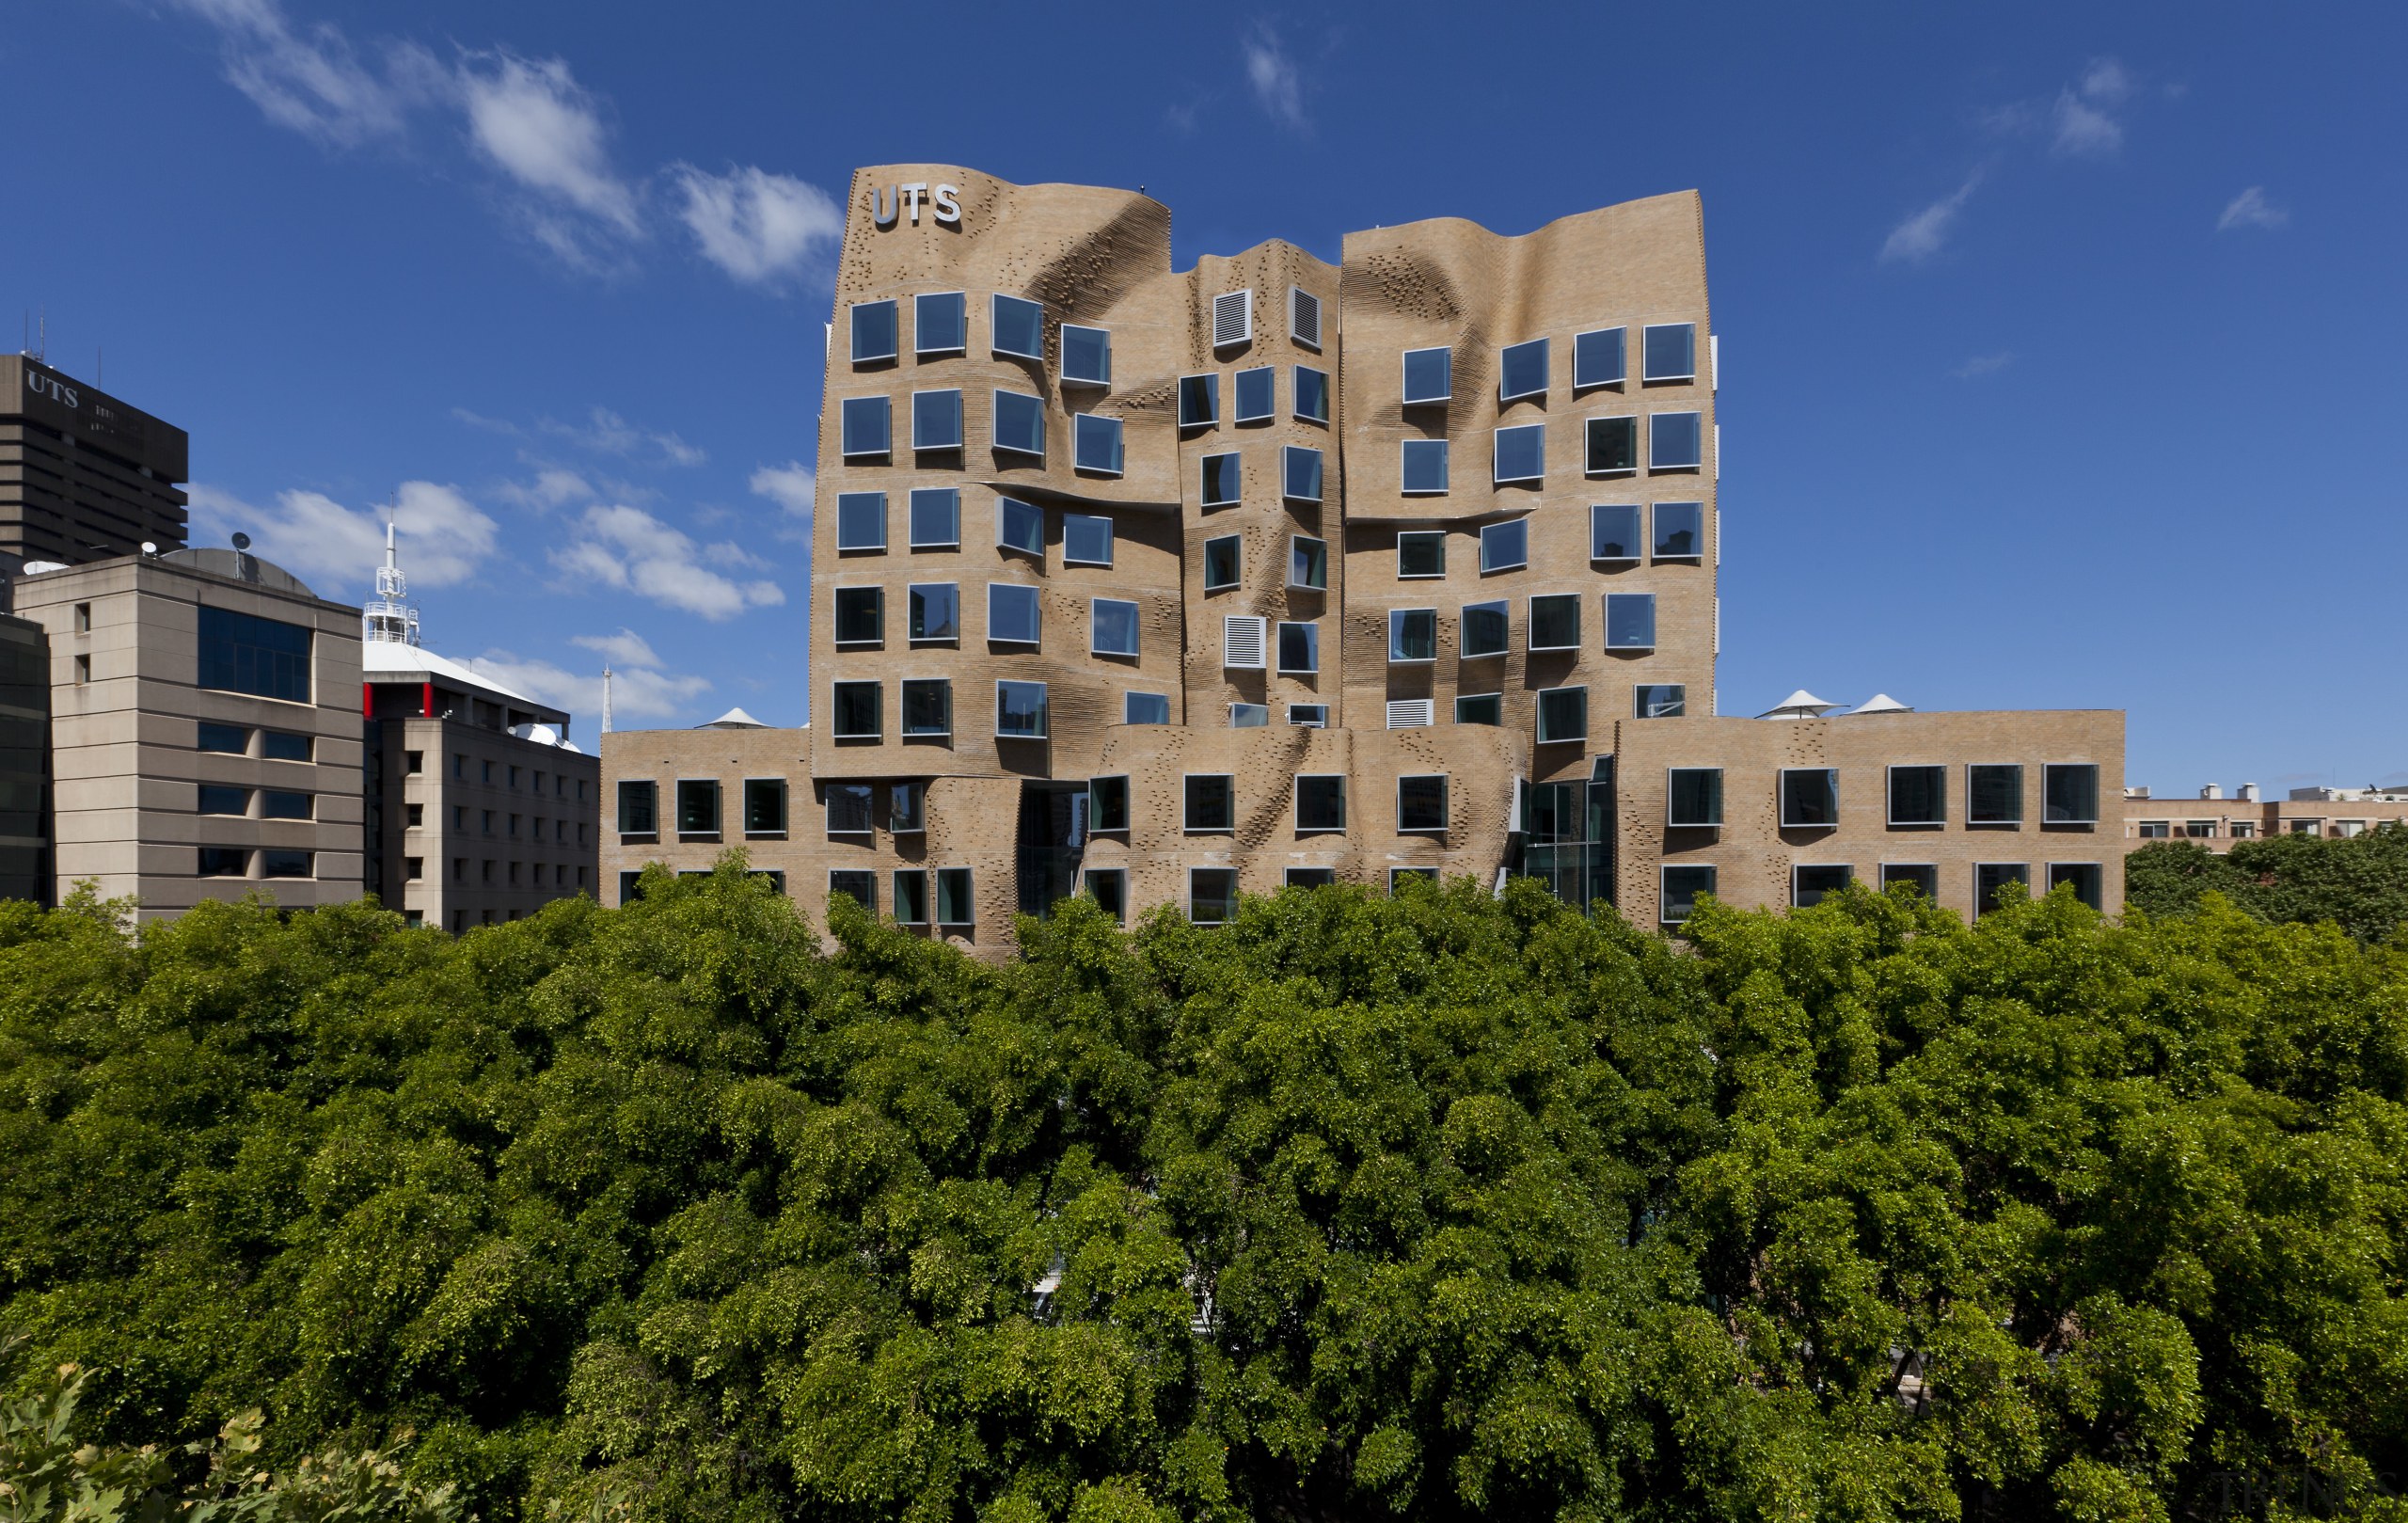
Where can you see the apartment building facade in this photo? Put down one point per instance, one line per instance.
(1172, 585)
(83, 476)
(2215, 819)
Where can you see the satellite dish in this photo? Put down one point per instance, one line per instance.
(242, 541)
(150, 548)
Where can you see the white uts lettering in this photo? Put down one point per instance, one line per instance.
(948, 204)
(888, 204)
(40, 384)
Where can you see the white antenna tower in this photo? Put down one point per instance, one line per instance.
(387, 617)
(606, 700)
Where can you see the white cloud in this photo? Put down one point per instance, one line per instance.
(793, 486)
(609, 434)
(641, 692)
(1984, 365)
(1278, 89)
(762, 229)
(552, 489)
(533, 121)
(1924, 233)
(628, 549)
(2105, 81)
(2084, 127)
(445, 540)
(2251, 209)
(310, 80)
(626, 648)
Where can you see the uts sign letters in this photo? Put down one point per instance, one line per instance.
(43, 384)
(887, 205)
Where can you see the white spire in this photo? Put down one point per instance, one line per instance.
(388, 616)
(606, 700)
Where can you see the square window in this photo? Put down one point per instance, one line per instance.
(638, 807)
(1095, 444)
(1108, 804)
(1613, 447)
(1918, 795)
(1011, 613)
(861, 615)
(1563, 715)
(1018, 328)
(1924, 875)
(1313, 394)
(1320, 802)
(1810, 798)
(1421, 803)
(1680, 531)
(927, 708)
(1310, 716)
(1109, 888)
(1212, 896)
(1613, 531)
(1682, 886)
(1087, 356)
(861, 521)
(935, 518)
(1249, 716)
(1301, 473)
(1811, 884)
(765, 806)
(940, 322)
(1994, 794)
(859, 887)
(856, 709)
(1521, 452)
(1990, 879)
(1115, 622)
(1693, 797)
(1256, 394)
(1486, 629)
(286, 864)
(232, 739)
(1210, 803)
(1308, 563)
(1521, 370)
(1311, 877)
(868, 428)
(1300, 647)
(1555, 622)
(953, 906)
(1020, 526)
(1480, 709)
(1087, 540)
(1671, 350)
(912, 896)
(1412, 635)
(697, 806)
(1659, 701)
(284, 745)
(873, 323)
(1199, 400)
(1424, 466)
(2088, 879)
(218, 798)
(907, 808)
(936, 420)
(1505, 547)
(1598, 359)
(1675, 441)
(1421, 552)
(1020, 711)
(1221, 562)
(1429, 375)
(936, 610)
(1020, 424)
(2068, 794)
(1630, 621)
(1221, 479)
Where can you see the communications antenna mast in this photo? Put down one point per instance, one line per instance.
(388, 616)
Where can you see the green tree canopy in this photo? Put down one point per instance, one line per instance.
(2357, 883)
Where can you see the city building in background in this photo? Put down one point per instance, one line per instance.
(83, 476)
(1164, 586)
(2215, 819)
(25, 758)
(204, 730)
(477, 808)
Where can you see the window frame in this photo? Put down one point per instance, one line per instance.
(1795, 887)
(1721, 813)
(1656, 550)
(1236, 473)
(1404, 377)
(918, 913)
(1664, 915)
(1647, 357)
(1446, 803)
(1317, 561)
(1118, 908)
(850, 874)
(1130, 695)
(1505, 364)
(912, 518)
(996, 428)
(1656, 464)
(1086, 522)
(650, 790)
(966, 895)
(1230, 900)
(1889, 794)
(1639, 703)
(1095, 624)
(2049, 806)
(1521, 528)
(1088, 427)
(1312, 638)
(914, 620)
(1539, 728)
(1237, 578)
(1783, 798)
(2049, 881)
(1098, 793)
(1003, 506)
(1296, 394)
(1530, 621)
(1503, 608)
(1245, 716)
(1308, 716)
(1210, 390)
(1044, 731)
(903, 717)
(2015, 821)
(961, 424)
(1062, 332)
(1288, 456)
(919, 324)
(1421, 536)
(1407, 449)
(1986, 903)
(1611, 599)
(836, 708)
(717, 794)
(1305, 827)
(1581, 382)
(1927, 877)
(1396, 614)
(1497, 452)
(1496, 698)
(838, 597)
(995, 327)
(884, 406)
(1270, 413)
(1187, 825)
(893, 327)
(1034, 639)
(1637, 541)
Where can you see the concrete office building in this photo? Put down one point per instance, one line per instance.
(2215, 819)
(204, 730)
(83, 476)
(478, 807)
(1170, 585)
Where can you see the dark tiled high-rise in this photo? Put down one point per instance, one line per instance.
(83, 476)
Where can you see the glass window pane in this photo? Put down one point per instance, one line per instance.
(1199, 400)
(2071, 794)
(940, 322)
(1311, 716)
(276, 863)
(912, 896)
(1659, 700)
(1256, 394)
(1019, 710)
(1307, 562)
(1673, 441)
(1221, 562)
(936, 611)
(1116, 628)
(861, 615)
(1421, 803)
(1680, 531)
(1505, 547)
(1918, 795)
(1990, 879)
(1428, 375)
(218, 798)
(1630, 621)
(1810, 798)
(1320, 802)
(853, 884)
(872, 330)
(1018, 328)
(1086, 354)
(857, 710)
(1146, 709)
(639, 805)
(1693, 797)
(1486, 630)
(936, 517)
(1212, 896)
(1425, 466)
(1521, 370)
(1597, 358)
(1107, 804)
(1011, 613)
(861, 521)
(1302, 473)
(1564, 714)
(1249, 716)
(1671, 350)
(1299, 647)
(1482, 708)
(1812, 885)
(697, 806)
(1020, 424)
(1682, 886)
(1555, 622)
(1413, 634)
(283, 745)
(1924, 875)
(1994, 794)
(1211, 802)
(1521, 452)
(1087, 539)
(2087, 878)
(1220, 480)
(232, 738)
(936, 420)
(1020, 526)
(928, 707)
(865, 426)
(1421, 552)
(1614, 533)
(244, 653)
(1613, 446)
(954, 907)
(1313, 394)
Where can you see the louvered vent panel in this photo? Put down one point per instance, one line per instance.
(1242, 641)
(1411, 713)
(1303, 316)
(1232, 318)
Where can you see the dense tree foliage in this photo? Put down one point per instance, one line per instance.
(1444, 1207)
(2358, 882)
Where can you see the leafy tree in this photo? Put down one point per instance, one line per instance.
(2358, 882)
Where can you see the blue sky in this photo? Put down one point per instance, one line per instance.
(2060, 343)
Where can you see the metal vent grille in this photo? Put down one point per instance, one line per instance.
(1232, 318)
(1412, 713)
(1303, 316)
(1242, 641)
